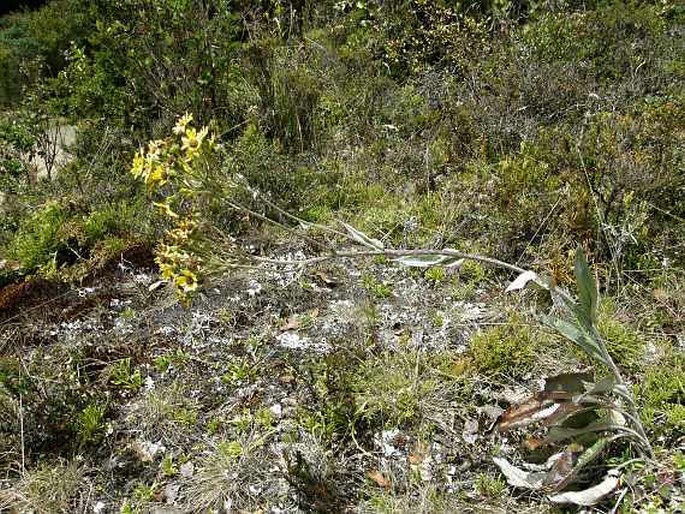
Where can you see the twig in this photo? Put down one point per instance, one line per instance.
(262, 217)
(399, 253)
(21, 433)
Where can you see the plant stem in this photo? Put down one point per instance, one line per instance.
(398, 253)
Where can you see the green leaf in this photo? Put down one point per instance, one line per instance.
(569, 382)
(591, 453)
(587, 288)
(614, 422)
(602, 386)
(578, 336)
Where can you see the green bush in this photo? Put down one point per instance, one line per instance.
(39, 237)
(509, 350)
(661, 394)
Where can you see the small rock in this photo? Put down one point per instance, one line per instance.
(171, 492)
(470, 434)
(491, 411)
(187, 470)
(276, 410)
(386, 440)
(253, 288)
(147, 450)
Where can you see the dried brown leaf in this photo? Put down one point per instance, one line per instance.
(533, 443)
(326, 279)
(419, 453)
(561, 468)
(379, 479)
(537, 408)
(589, 496)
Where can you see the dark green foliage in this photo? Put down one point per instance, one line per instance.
(562, 123)
(38, 239)
(33, 45)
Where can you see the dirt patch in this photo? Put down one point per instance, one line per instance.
(55, 301)
(20, 297)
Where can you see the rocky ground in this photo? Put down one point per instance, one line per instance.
(345, 387)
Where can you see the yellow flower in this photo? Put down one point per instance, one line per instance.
(182, 123)
(165, 208)
(138, 167)
(186, 281)
(157, 176)
(154, 148)
(166, 270)
(191, 142)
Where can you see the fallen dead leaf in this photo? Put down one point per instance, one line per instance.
(533, 443)
(540, 407)
(418, 454)
(326, 279)
(379, 479)
(519, 477)
(589, 496)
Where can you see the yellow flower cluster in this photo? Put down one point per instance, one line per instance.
(172, 162)
(150, 165)
(179, 267)
(164, 159)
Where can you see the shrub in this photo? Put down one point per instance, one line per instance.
(509, 350)
(40, 237)
(661, 394)
(393, 388)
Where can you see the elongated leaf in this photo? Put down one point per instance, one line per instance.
(527, 413)
(542, 406)
(591, 496)
(521, 281)
(519, 477)
(362, 238)
(587, 288)
(602, 386)
(425, 261)
(582, 318)
(557, 433)
(591, 453)
(454, 263)
(569, 382)
(574, 334)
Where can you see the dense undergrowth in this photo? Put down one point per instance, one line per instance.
(519, 130)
